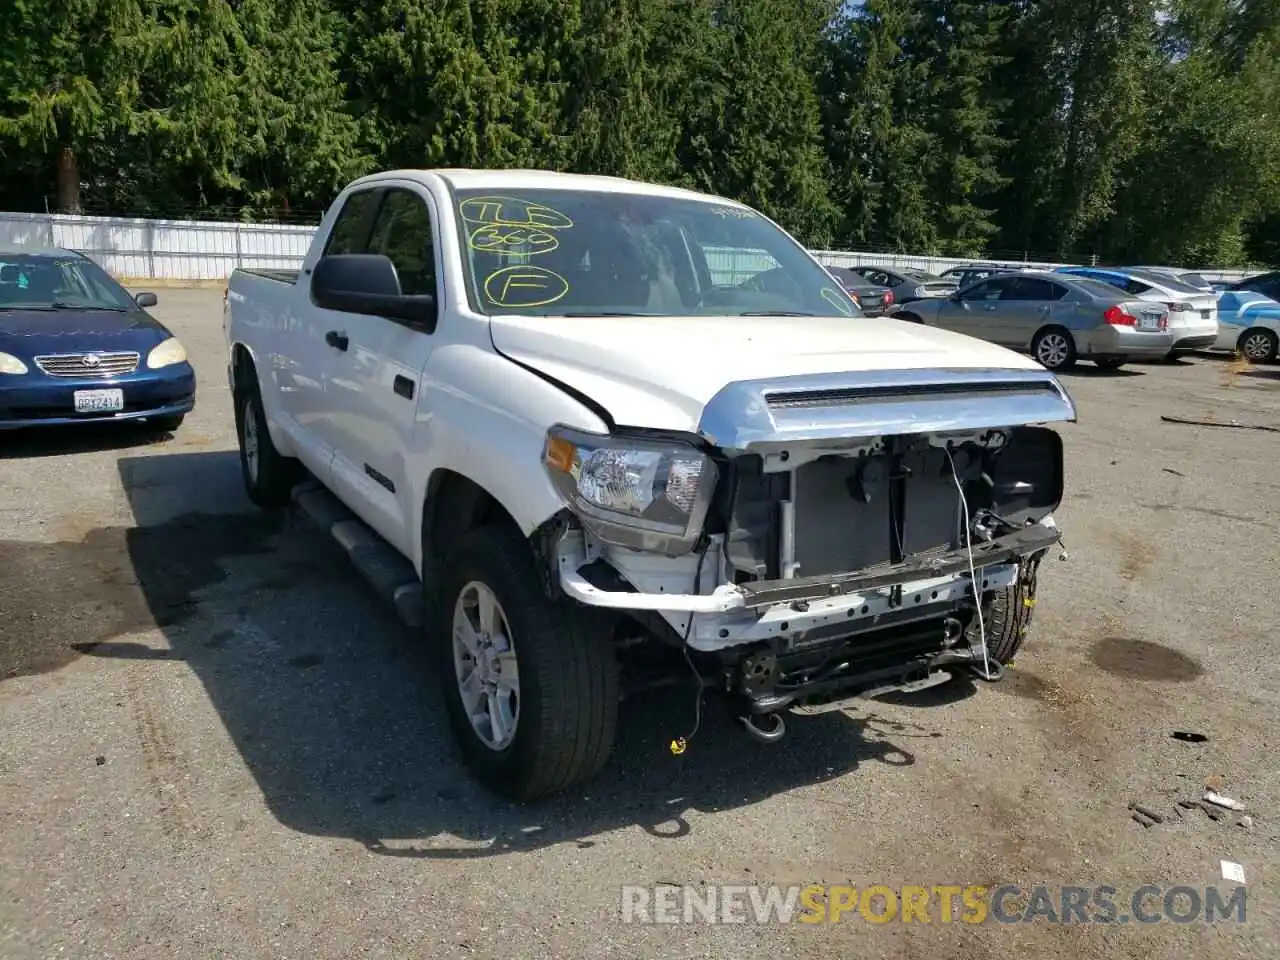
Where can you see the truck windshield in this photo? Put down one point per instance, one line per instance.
(559, 253)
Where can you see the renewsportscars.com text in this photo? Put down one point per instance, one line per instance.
(936, 904)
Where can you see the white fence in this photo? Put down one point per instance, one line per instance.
(162, 249)
(210, 250)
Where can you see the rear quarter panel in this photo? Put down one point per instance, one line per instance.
(259, 311)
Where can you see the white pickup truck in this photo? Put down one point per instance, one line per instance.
(618, 432)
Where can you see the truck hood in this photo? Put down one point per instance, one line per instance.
(660, 372)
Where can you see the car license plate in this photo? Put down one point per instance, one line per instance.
(1206, 314)
(1149, 321)
(99, 401)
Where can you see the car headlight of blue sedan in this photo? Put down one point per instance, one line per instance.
(11, 364)
(166, 354)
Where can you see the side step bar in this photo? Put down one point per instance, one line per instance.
(384, 567)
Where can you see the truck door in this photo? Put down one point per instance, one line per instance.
(306, 361)
(374, 385)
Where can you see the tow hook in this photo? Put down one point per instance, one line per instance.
(994, 674)
(775, 732)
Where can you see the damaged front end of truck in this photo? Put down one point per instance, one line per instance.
(824, 537)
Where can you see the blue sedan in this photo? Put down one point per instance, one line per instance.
(1249, 322)
(75, 347)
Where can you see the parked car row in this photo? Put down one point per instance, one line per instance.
(1107, 315)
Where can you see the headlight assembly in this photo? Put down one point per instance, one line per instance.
(11, 364)
(631, 492)
(166, 354)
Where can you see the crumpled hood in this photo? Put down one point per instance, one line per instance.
(660, 372)
(28, 333)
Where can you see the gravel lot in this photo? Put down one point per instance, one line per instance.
(214, 740)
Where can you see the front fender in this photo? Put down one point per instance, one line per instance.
(486, 418)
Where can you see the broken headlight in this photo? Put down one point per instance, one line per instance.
(648, 495)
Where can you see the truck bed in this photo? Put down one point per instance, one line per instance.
(280, 276)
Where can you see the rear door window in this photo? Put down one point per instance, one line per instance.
(1033, 288)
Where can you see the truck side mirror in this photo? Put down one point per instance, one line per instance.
(367, 283)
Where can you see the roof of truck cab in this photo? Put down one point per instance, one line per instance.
(472, 179)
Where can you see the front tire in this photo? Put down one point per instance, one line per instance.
(1007, 615)
(552, 724)
(1054, 349)
(1259, 345)
(268, 475)
(168, 424)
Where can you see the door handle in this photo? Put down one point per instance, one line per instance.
(339, 341)
(403, 387)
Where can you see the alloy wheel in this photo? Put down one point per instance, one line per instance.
(484, 660)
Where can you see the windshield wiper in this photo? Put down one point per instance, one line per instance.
(776, 313)
(607, 313)
(63, 305)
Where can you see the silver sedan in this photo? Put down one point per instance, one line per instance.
(1058, 319)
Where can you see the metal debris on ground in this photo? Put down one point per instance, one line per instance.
(1188, 737)
(1176, 473)
(1234, 424)
(1246, 821)
(1212, 796)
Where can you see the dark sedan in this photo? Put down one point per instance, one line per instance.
(75, 347)
(874, 301)
(908, 283)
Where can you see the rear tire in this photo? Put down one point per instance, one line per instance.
(1008, 614)
(1258, 345)
(269, 476)
(565, 707)
(1054, 348)
(1110, 363)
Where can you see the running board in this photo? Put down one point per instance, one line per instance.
(384, 567)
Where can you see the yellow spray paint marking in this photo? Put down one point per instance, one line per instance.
(525, 286)
(497, 238)
(678, 746)
(837, 301)
(513, 212)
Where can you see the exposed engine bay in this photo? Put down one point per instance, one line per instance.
(824, 539)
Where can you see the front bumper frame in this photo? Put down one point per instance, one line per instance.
(815, 610)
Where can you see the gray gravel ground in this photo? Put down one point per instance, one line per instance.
(214, 741)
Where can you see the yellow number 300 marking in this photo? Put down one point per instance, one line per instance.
(525, 286)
